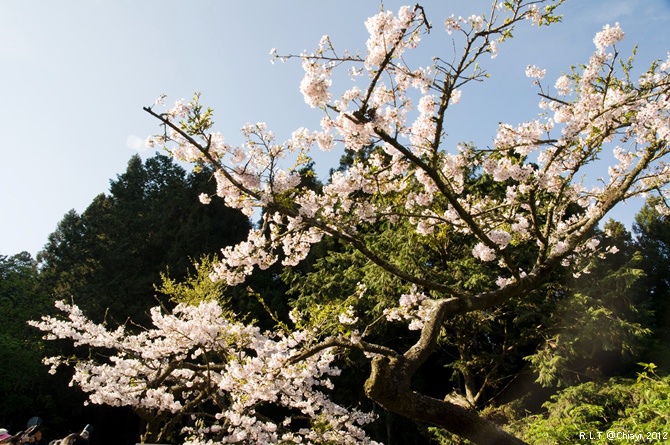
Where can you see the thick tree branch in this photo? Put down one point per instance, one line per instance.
(389, 385)
(337, 342)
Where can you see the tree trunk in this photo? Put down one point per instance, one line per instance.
(389, 385)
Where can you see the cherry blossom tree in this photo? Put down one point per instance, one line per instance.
(550, 207)
(197, 362)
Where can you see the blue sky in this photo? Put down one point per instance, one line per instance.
(76, 73)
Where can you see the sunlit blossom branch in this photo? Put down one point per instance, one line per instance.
(203, 150)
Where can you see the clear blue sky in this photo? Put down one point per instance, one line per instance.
(76, 73)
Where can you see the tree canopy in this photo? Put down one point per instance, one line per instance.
(22, 380)
(490, 253)
(109, 257)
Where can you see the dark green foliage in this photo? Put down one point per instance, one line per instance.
(109, 257)
(653, 238)
(23, 378)
(598, 322)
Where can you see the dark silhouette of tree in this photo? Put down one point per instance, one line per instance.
(109, 258)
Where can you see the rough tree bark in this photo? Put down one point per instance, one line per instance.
(390, 380)
(389, 385)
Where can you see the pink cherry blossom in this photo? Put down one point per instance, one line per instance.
(608, 37)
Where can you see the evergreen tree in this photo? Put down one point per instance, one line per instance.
(24, 383)
(109, 258)
(616, 410)
(652, 231)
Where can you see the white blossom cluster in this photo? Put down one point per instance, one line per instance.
(393, 183)
(412, 307)
(393, 116)
(195, 354)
